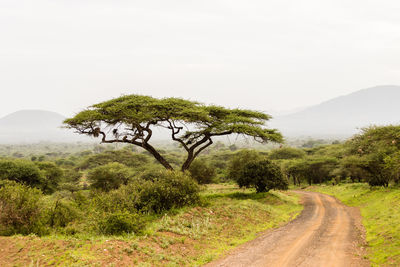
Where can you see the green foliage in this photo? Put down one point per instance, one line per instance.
(125, 157)
(354, 166)
(263, 175)
(110, 176)
(312, 169)
(20, 209)
(286, 153)
(121, 222)
(202, 172)
(61, 212)
(297, 170)
(239, 160)
(132, 118)
(378, 146)
(21, 171)
(51, 176)
(172, 189)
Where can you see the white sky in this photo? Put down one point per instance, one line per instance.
(64, 55)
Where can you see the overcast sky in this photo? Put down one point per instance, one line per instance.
(63, 55)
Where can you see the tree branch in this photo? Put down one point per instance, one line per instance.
(175, 130)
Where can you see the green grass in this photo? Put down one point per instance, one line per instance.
(191, 236)
(380, 209)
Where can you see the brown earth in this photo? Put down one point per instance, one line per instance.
(326, 233)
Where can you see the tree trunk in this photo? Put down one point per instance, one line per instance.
(158, 156)
(188, 161)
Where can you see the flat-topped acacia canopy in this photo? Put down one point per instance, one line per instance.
(131, 118)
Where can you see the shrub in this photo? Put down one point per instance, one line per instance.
(51, 176)
(121, 222)
(61, 212)
(262, 175)
(202, 172)
(21, 171)
(239, 160)
(20, 209)
(110, 176)
(124, 198)
(170, 189)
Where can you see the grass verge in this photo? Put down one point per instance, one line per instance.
(191, 236)
(381, 218)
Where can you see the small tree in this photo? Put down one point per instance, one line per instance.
(376, 146)
(20, 209)
(21, 171)
(239, 160)
(51, 176)
(263, 175)
(131, 119)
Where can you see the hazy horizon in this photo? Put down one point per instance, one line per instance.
(270, 56)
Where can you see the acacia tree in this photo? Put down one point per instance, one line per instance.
(131, 119)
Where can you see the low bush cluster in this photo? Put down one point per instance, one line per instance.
(25, 210)
(21, 210)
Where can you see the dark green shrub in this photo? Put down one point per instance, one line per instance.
(239, 160)
(170, 189)
(21, 171)
(110, 176)
(20, 209)
(51, 176)
(263, 175)
(124, 198)
(61, 212)
(121, 222)
(151, 172)
(202, 172)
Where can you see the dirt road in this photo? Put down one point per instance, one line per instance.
(326, 233)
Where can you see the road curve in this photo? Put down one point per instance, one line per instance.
(326, 233)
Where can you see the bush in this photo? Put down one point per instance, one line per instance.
(202, 172)
(239, 160)
(121, 222)
(20, 209)
(51, 176)
(110, 176)
(262, 175)
(172, 189)
(61, 212)
(21, 171)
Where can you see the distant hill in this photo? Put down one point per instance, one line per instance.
(344, 115)
(28, 126)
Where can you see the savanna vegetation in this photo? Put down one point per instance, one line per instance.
(142, 192)
(134, 200)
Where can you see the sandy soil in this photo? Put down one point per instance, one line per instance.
(327, 233)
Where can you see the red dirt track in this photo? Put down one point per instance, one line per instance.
(327, 233)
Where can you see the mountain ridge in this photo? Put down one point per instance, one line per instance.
(344, 115)
(35, 125)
